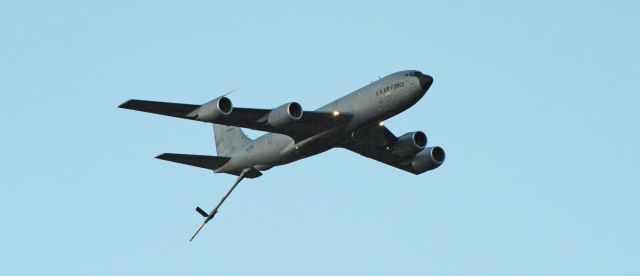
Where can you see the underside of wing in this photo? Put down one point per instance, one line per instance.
(168, 109)
(376, 142)
(406, 152)
(310, 123)
(220, 111)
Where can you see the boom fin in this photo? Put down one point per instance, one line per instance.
(201, 212)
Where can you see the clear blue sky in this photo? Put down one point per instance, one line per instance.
(536, 104)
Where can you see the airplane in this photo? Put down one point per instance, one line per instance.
(354, 122)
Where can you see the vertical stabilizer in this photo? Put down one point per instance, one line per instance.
(228, 139)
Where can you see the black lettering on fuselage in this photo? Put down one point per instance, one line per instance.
(388, 88)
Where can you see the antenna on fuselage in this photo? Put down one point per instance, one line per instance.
(228, 93)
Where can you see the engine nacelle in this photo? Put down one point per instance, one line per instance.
(410, 144)
(428, 159)
(213, 110)
(285, 114)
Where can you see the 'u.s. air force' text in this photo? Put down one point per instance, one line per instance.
(388, 88)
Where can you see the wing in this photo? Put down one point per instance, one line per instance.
(311, 123)
(376, 142)
(169, 109)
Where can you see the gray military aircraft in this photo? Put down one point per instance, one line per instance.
(354, 122)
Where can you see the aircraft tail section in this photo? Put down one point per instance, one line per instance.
(228, 139)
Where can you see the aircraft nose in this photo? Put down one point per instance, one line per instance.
(425, 81)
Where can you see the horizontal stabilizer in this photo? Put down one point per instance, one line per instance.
(202, 161)
(202, 212)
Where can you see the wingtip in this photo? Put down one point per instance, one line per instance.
(125, 104)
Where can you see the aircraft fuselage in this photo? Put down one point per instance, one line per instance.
(368, 105)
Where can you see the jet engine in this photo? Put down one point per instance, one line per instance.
(428, 159)
(213, 110)
(285, 114)
(409, 144)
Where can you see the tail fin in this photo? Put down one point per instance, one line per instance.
(228, 139)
